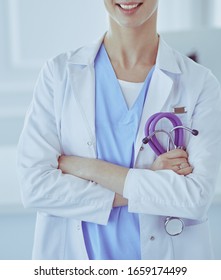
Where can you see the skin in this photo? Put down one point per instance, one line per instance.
(132, 41)
(132, 45)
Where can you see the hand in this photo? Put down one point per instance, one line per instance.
(176, 160)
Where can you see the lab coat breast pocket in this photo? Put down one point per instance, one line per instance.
(193, 243)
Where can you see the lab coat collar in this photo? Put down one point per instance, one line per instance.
(87, 54)
(165, 58)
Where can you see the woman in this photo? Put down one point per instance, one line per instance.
(100, 193)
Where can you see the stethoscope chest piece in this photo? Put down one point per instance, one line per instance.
(174, 226)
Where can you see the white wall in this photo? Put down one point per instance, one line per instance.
(216, 18)
(179, 15)
(31, 31)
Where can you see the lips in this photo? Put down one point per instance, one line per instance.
(129, 7)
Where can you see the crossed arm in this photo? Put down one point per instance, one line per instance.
(112, 176)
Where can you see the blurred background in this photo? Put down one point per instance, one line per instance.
(31, 31)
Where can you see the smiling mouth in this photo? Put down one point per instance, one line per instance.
(129, 7)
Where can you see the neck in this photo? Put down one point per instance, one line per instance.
(132, 46)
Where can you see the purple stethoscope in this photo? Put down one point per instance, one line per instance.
(178, 129)
(173, 225)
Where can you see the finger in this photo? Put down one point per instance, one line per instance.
(184, 165)
(185, 171)
(178, 161)
(177, 153)
(174, 164)
(180, 166)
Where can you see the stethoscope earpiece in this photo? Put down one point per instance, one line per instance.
(145, 140)
(195, 132)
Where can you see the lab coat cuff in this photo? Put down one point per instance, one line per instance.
(102, 217)
(129, 185)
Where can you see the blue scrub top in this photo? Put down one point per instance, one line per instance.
(116, 131)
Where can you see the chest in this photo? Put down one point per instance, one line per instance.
(76, 116)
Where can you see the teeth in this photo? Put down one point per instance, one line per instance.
(128, 7)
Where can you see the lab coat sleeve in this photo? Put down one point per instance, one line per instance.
(167, 194)
(43, 186)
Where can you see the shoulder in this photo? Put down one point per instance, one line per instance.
(175, 64)
(195, 72)
(78, 58)
(188, 65)
(191, 72)
(198, 83)
(59, 63)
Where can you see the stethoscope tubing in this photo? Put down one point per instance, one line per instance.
(150, 131)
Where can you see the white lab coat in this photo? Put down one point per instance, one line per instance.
(61, 120)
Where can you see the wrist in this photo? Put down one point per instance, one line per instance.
(119, 201)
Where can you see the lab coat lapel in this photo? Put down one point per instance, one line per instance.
(82, 75)
(83, 85)
(159, 91)
(160, 87)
